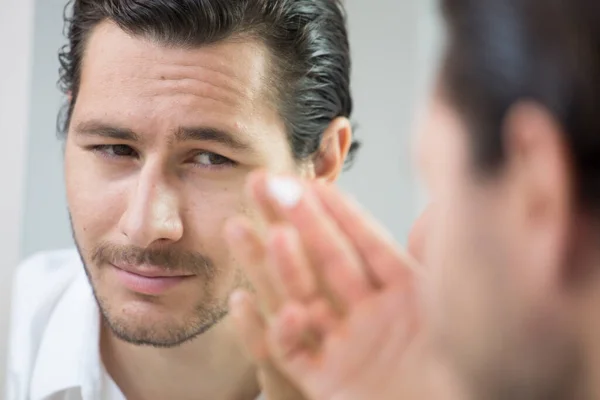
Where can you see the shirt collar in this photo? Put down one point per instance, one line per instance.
(69, 356)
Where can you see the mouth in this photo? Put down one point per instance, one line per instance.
(149, 279)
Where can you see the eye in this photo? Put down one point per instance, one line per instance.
(115, 151)
(208, 159)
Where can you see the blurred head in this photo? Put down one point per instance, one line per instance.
(171, 104)
(510, 151)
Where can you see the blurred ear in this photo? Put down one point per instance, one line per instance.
(335, 145)
(540, 190)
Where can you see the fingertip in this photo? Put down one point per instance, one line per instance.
(239, 302)
(255, 182)
(281, 236)
(238, 297)
(289, 327)
(285, 191)
(323, 316)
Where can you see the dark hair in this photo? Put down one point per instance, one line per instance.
(307, 39)
(546, 51)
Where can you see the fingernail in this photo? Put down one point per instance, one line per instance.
(287, 192)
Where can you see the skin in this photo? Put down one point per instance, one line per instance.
(138, 186)
(500, 248)
(506, 308)
(322, 275)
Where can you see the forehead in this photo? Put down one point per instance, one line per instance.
(134, 80)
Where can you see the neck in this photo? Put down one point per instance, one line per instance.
(590, 348)
(583, 313)
(211, 366)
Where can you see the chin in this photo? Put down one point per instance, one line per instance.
(147, 322)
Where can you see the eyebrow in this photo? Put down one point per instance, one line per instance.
(182, 134)
(94, 128)
(207, 134)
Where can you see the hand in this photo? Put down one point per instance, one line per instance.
(248, 248)
(274, 384)
(326, 271)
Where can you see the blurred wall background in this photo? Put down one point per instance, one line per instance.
(16, 40)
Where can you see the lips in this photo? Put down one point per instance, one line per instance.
(149, 279)
(150, 271)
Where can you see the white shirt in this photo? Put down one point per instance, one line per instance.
(54, 342)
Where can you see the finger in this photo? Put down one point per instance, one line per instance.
(248, 249)
(287, 344)
(285, 337)
(250, 326)
(299, 328)
(323, 318)
(252, 333)
(268, 213)
(289, 329)
(289, 265)
(386, 263)
(396, 307)
(330, 253)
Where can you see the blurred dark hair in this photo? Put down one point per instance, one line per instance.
(546, 51)
(307, 39)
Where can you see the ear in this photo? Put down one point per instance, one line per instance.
(335, 145)
(540, 189)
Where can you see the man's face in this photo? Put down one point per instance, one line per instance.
(160, 143)
(501, 333)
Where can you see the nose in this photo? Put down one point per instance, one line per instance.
(152, 213)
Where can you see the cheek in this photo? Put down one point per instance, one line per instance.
(95, 205)
(459, 292)
(448, 242)
(204, 221)
(206, 211)
(453, 254)
(451, 211)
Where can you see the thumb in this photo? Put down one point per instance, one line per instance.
(250, 326)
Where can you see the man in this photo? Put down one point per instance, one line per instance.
(171, 104)
(510, 153)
